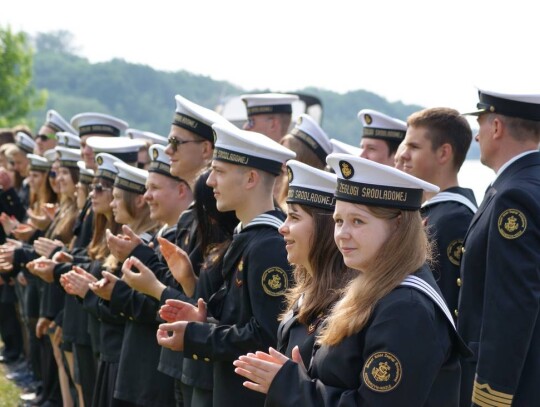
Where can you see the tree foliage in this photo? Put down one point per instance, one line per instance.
(18, 97)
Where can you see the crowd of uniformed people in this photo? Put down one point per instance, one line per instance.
(272, 265)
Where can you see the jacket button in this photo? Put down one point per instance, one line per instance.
(456, 312)
(462, 249)
(458, 282)
(206, 359)
(195, 357)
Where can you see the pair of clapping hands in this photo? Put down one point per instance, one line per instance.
(24, 231)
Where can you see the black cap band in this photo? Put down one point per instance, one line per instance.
(128, 185)
(129, 157)
(507, 107)
(194, 125)
(269, 109)
(68, 163)
(85, 178)
(311, 143)
(54, 126)
(383, 134)
(40, 168)
(378, 195)
(162, 168)
(311, 197)
(233, 157)
(99, 129)
(108, 175)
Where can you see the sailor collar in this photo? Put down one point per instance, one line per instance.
(265, 219)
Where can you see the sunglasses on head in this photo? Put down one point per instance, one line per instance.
(45, 137)
(175, 143)
(98, 188)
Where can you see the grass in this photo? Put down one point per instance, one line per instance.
(9, 392)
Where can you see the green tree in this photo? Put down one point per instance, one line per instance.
(18, 97)
(60, 41)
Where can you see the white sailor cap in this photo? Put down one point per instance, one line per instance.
(130, 178)
(307, 130)
(56, 122)
(68, 157)
(344, 148)
(380, 126)
(195, 118)
(66, 139)
(50, 155)
(24, 142)
(268, 103)
(311, 186)
(98, 123)
(86, 175)
(160, 161)
(524, 106)
(124, 148)
(147, 136)
(38, 163)
(369, 183)
(105, 166)
(249, 148)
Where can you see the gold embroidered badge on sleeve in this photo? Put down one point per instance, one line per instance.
(382, 372)
(485, 396)
(512, 224)
(454, 252)
(274, 281)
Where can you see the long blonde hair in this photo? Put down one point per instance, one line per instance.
(405, 251)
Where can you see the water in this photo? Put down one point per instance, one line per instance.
(475, 175)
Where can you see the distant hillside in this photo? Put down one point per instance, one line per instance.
(144, 97)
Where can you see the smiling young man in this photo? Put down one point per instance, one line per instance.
(255, 267)
(434, 148)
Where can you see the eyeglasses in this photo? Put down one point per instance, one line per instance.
(250, 122)
(52, 174)
(45, 137)
(98, 188)
(175, 143)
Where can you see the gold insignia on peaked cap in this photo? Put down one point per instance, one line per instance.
(382, 372)
(299, 120)
(275, 281)
(215, 136)
(347, 169)
(99, 160)
(155, 154)
(512, 224)
(454, 251)
(289, 174)
(368, 119)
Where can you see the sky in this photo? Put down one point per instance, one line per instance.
(430, 53)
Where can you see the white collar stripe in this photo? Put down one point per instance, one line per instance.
(451, 196)
(421, 285)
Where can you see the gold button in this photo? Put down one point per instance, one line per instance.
(456, 313)
(122, 314)
(458, 282)
(462, 249)
(206, 360)
(195, 357)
